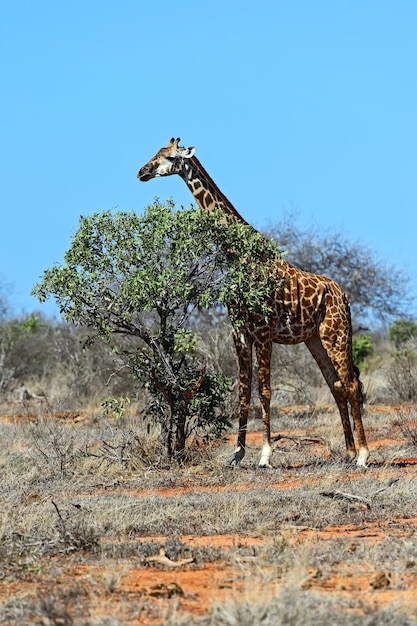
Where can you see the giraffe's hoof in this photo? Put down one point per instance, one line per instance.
(362, 457)
(265, 456)
(362, 462)
(237, 457)
(351, 455)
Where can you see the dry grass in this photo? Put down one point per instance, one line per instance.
(99, 493)
(292, 607)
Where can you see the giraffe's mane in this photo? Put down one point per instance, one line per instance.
(215, 188)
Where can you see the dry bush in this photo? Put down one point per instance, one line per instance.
(402, 375)
(62, 607)
(295, 377)
(292, 607)
(54, 450)
(50, 358)
(406, 423)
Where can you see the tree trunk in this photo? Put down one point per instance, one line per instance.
(181, 421)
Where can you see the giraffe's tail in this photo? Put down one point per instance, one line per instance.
(357, 373)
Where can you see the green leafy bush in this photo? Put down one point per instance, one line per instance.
(136, 281)
(362, 347)
(402, 331)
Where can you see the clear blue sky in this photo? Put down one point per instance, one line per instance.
(291, 104)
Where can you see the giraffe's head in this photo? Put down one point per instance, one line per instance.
(167, 161)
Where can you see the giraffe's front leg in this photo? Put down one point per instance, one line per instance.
(238, 455)
(243, 346)
(243, 425)
(263, 353)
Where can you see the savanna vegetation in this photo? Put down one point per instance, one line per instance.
(118, 504)
(144, 320)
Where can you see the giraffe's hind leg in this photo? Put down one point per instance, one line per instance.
(353, 392)
(328, 369)
(336, 359)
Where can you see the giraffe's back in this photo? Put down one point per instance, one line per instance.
(301, 305)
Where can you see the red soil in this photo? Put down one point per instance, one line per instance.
(139, 593)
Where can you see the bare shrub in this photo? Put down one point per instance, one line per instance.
(402, 374)
(54, 447)
(75, 530)
(130, 443)
(406, 422)
(295, 376)
(79, 376)
(51, 359)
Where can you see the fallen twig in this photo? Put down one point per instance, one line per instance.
(299, 439)
(351, 496)
(300, 528)
(347, 496)
(389, 483)
(164, 560)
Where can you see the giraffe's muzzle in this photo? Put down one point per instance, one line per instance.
(144, 174)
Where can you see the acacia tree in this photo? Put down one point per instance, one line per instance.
(136, 281)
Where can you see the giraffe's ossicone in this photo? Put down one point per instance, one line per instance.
(307, 308)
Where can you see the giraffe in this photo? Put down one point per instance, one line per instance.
(307, 308)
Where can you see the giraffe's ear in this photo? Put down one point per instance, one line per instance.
(189, 152)
(185, 153)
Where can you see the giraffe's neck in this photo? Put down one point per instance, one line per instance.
(206, 192)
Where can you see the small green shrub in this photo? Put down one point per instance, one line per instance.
(362, 347)
(401, 331)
